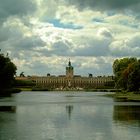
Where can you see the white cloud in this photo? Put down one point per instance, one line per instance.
(126, 47)
(45, 36)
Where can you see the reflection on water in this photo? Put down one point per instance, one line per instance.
(69, 109)
(8, 109)
(66, 116)
(126, 114)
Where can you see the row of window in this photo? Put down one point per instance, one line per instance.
(73, 81)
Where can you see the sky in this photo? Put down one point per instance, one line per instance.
(41, 35)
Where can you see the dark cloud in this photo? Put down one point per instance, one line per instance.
(95, 65)
(57, 48)
(106, 34)
(31, 42)
(24, 45)
(9, 32)
(16, 8)
(87, 47)
(134, 41)
(98, 48)
(60, 48)
(94, 46)
(3, 34)
(103, 5)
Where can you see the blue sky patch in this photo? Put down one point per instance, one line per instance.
(58, 23)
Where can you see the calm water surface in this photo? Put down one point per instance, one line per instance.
(68, 116)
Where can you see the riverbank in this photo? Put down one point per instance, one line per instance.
(8, 92)
(125, 96)
(68, 89)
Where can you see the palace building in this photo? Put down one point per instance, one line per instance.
(71, 81)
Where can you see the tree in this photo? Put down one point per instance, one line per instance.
(7, 72)
(134, 78)
(127, 73)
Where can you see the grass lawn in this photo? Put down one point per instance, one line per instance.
(125, 96)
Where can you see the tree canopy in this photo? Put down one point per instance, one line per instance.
(7, 72)
(127, 73)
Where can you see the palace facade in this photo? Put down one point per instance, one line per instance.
(71, 81)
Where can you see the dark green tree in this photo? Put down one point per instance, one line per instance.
(134, 78)
(7, 72)
(127, 73)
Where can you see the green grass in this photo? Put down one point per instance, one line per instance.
(125, 96)
(25, 89)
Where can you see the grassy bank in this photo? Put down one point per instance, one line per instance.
(125, 96)
(32, 89)
(25, 89)
(102, 90)
(8, 92)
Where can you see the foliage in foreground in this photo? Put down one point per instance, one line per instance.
(127, 74)
(7, 72)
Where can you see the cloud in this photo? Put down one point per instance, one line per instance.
(94, 47)
(16, 8)
(106, 5)
(134, 41)
(41, 65)
(60, 48)
(77, 43)
(95, 65)
(40, 35)
(104, 32)
(95, 44)
(49, 9)
(126, 47)
(31, 42)
(13, 28)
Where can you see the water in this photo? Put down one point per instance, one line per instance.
(68, 116)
